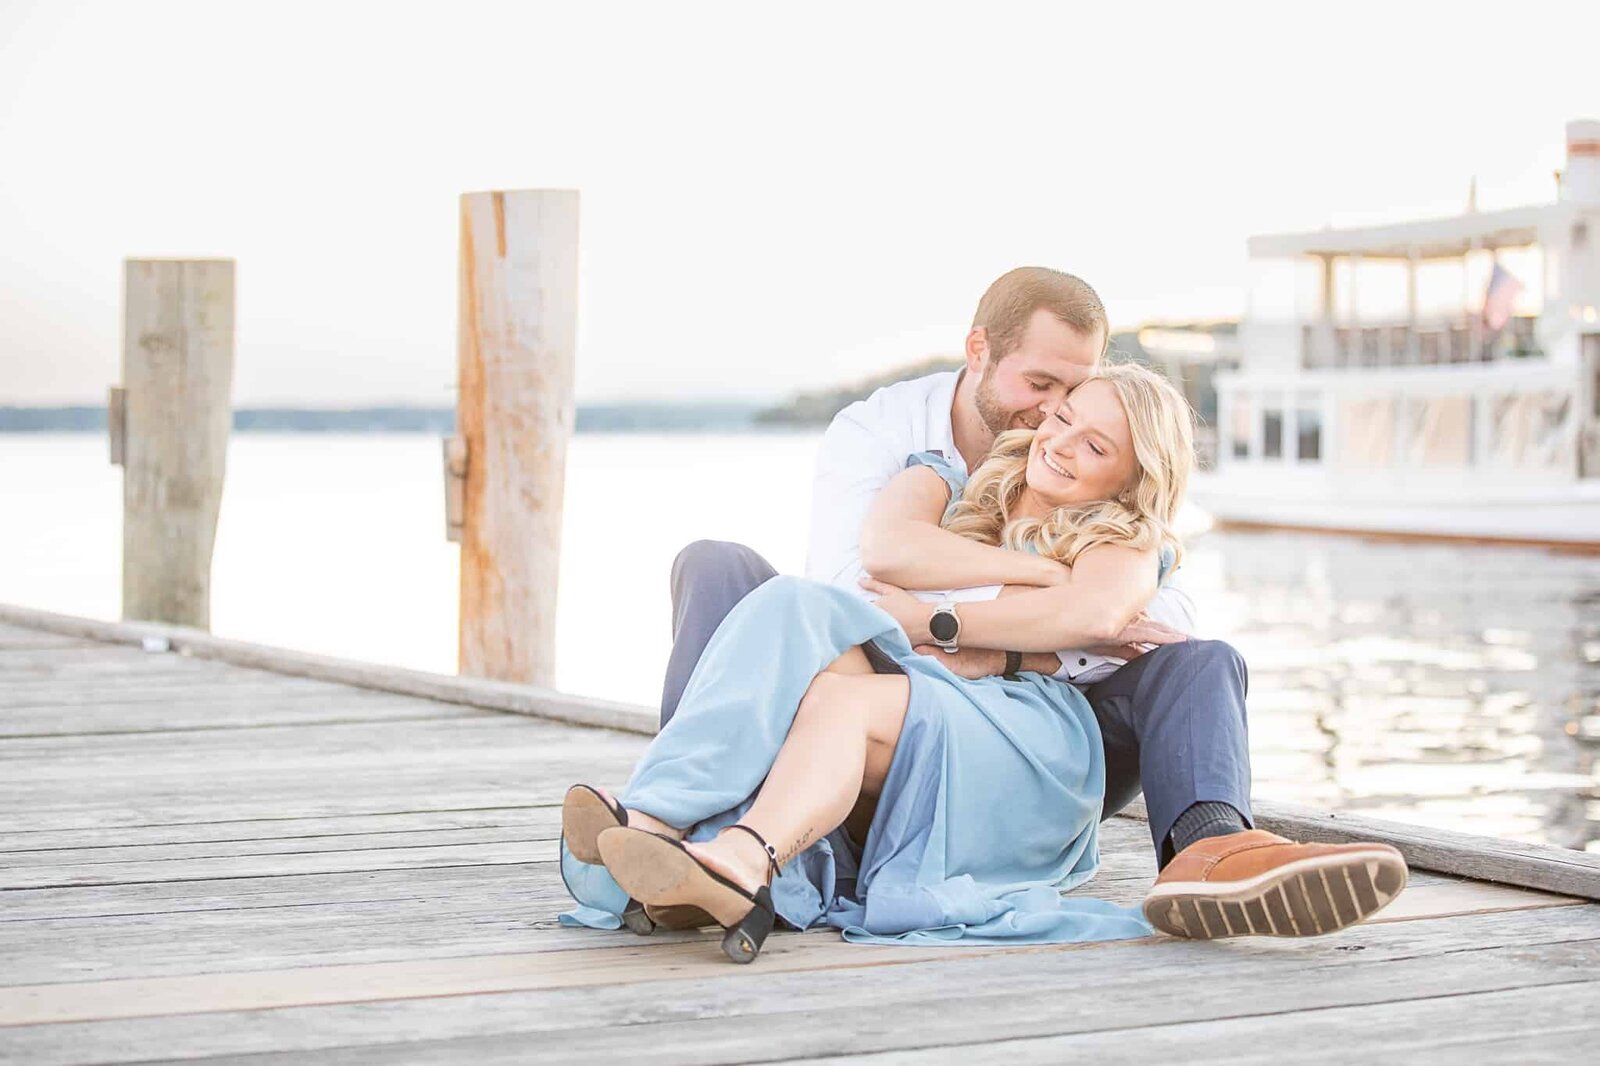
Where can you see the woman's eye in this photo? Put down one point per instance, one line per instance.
(1039, 386)
(1096, 449)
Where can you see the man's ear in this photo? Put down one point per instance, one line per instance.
(977, 350)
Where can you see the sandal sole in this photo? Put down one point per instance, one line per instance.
(1309, 897)
(584, 816)
(658, 873)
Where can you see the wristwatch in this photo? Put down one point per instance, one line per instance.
(945, 627)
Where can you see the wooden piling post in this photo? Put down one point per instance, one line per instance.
(514, 414)
(169, 423)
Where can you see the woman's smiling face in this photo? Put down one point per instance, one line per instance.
(1084, 451)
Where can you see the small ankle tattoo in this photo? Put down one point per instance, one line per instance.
(799, 846)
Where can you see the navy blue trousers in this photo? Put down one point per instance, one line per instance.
(1172, 720)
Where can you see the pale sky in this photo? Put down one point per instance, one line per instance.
(774, 196)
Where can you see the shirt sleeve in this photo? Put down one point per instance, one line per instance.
(1171, 606)
(853, 465)
(954, 480)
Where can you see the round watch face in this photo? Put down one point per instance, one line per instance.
(943, 626)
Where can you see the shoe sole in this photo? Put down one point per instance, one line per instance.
(676, 919)
(1308, 897)
(657, 873)
(584, 816)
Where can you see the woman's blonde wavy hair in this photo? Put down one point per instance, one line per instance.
(1142, 516)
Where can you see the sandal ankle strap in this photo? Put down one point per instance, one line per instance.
(772, 853)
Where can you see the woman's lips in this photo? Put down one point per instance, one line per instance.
(1044, 457)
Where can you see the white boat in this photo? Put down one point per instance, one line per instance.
(1480, 422)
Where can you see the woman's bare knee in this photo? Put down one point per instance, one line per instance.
(830, 695)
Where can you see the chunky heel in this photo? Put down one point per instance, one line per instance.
(636, 920)
(743, 942)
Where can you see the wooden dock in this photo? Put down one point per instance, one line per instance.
(213, 850)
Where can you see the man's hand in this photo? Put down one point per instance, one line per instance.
(1139, 636)
(970, 663)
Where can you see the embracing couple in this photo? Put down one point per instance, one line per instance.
(990, 653)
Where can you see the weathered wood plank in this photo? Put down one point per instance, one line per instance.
(177, 927)
(497, 851)
(290, 747)
(543, 825)
(721, 1010)
(92, 656)
(160, 688)
(14, 637)
(18, 638)
(187, 717)
(398, 823)
(988, 1027)
(1083, 969)
(478, 692)
(1538, 1019)
(1122, 841)
(1573, 873)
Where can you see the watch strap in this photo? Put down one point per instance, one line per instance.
(1013, 664)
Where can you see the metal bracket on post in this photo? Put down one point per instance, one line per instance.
(455, 487)
(117, 423)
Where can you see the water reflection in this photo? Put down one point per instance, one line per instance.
(1440, 685)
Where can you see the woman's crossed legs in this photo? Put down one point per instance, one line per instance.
(829, 771)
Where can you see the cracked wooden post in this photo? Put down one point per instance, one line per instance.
(169, 423)
(514, 414)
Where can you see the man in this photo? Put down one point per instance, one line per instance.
(1172, 719)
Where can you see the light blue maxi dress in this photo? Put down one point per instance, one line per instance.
(990, 808)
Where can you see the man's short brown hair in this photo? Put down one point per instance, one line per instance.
(1005, 310)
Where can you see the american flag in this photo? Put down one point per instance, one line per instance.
(1497, 299)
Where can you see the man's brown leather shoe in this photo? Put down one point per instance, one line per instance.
(1256, 884)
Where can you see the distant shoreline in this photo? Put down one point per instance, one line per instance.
(802, 411)
(590, 418)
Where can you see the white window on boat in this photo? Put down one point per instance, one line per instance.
(1438, 431)
(1529, 431)
(1308, 427)
(1271, 427)
(1366, 431)
(1239, 425)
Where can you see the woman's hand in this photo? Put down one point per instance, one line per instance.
(912, 614)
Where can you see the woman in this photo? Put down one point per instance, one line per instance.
(797, 782)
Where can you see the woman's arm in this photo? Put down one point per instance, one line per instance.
(902, 542)
(1107, 588)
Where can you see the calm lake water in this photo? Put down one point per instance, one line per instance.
(1448, 686)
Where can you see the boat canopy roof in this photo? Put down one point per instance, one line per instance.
(1427, 238)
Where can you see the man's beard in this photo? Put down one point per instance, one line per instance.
(996, 418)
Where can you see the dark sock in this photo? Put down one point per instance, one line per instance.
(1208, 819)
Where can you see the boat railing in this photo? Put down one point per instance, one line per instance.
(1426, 343)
